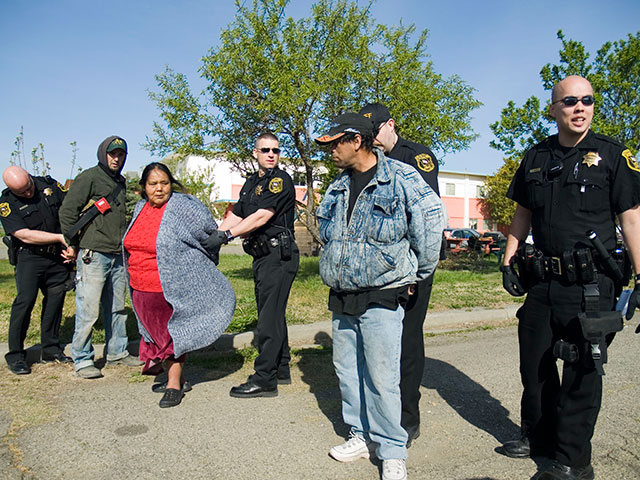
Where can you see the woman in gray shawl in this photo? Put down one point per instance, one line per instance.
(181, 300)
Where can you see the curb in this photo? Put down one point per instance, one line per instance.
(319, 333)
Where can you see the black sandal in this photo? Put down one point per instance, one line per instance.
(162, 387)
(171, 398)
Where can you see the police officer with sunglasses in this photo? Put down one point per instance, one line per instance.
(570, 183)
(264, 215)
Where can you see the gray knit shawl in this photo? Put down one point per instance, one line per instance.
(202, 298)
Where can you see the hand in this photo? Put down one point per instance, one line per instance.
(634, 301)
(69, 254)
(215, 241)
(511, 282)
(412, 289)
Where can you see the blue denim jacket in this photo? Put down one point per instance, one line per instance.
(394, 234)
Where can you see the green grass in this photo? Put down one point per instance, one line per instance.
(453, 289)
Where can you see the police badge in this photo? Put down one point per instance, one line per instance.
(5, 209)
(591, 159)
(275, 185)
(425, 162)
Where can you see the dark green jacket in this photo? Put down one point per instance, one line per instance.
(104, 234)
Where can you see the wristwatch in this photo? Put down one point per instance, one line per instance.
(229, 235)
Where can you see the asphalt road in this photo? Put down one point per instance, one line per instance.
(111, 428)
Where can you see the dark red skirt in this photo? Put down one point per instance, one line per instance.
(154, 313)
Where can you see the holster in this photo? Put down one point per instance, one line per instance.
(256, 246)
(596, 326)
(12, 249)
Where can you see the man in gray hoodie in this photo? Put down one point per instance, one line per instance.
(100, 279)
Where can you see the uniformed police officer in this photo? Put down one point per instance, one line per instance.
(29, 214)
(570, 183)
(264, 213)
(412, 358)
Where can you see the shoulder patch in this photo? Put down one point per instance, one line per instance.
(632, 163)
(61, 187)
(425, 162)
(275, 185)
(5, 209)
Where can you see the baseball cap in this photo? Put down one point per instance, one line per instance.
(117, 143)
(376, 112)
(349, 122)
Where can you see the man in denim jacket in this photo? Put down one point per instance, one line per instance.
(381, 226)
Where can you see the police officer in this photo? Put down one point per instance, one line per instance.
(569, 183)
(412, 358)
(29, 214)
(264, 213)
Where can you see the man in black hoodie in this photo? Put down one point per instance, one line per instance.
(101, 275)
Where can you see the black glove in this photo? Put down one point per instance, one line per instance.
(216, 240)
(634, 301)
(511, 282)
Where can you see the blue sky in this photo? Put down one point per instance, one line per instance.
(77, 70)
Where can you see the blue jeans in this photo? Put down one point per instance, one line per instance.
(366, 356)
(102, 281)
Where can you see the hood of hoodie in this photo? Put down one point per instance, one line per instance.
(102, 156)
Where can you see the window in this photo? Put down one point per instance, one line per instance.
(450, 189)
(486, 225)
(299, 178)
(473, 223)
(479, 191)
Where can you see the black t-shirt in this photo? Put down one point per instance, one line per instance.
(357, 182)
(272, 190)
(39, 212)
(356, 303)
(419, 157)
(598, 179)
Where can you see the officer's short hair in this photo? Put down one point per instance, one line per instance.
(266, 136)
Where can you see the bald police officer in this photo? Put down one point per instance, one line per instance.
(568, 184)
(424, 161)
(29, 214)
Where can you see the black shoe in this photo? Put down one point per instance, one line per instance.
(413, 436)
(59, 357)
(171, 398)
(162, 387)
(516, 448)
(19, 367)
(250, 389)
(558, 471)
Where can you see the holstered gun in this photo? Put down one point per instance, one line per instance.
(596, 326)
(12, 249)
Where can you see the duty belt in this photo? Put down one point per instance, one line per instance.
(50, 249)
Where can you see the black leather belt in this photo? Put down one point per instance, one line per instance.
(51, 249)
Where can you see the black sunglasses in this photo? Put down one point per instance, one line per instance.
(587, 100)
(267, 150)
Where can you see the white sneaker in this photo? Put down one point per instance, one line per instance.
(394, 470)
(353, 449)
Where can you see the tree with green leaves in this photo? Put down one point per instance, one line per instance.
(614, 74)
(272, 72)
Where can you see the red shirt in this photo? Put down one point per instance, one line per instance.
(140, 242)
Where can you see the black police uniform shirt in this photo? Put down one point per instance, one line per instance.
(273, 190)
(419, 157)
(572, 190)
(39, 212)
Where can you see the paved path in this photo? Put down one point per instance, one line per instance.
(112, 427)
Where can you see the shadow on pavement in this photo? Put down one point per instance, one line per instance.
(470, 399)
(207, 366)
(317, 370)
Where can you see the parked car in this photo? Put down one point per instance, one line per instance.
(460, 239)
